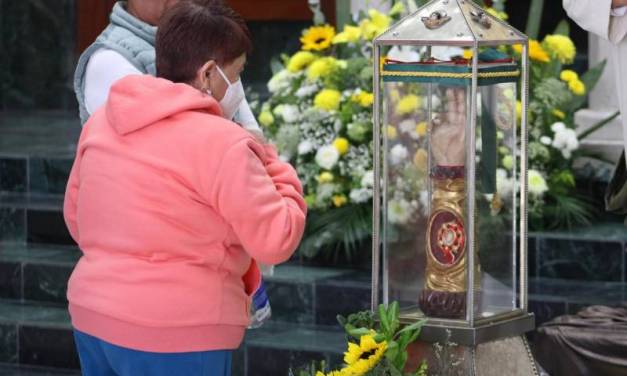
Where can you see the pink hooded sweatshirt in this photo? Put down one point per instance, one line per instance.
(170, 203)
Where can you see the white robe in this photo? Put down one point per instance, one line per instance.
(597, 16)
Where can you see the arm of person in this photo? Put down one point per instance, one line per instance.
(600, 17)
(104, 68)
(261, 198)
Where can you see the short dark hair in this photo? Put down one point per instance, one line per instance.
(193, 32)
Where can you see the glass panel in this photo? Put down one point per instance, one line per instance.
(496, 202)
(424, 227)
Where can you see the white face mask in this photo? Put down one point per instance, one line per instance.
(233, 96)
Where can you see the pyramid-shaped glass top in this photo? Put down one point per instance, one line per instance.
(451, 22)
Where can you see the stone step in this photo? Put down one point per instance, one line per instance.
(17, 370)
(298, 294)
(33, 218)
(36, 334)
(36, 272)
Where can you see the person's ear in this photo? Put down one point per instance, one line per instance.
(203, 75)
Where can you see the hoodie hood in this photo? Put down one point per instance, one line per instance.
(138, 101)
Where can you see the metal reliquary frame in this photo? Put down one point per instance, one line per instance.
(455, 23)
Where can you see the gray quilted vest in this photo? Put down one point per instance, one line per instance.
(128, 36)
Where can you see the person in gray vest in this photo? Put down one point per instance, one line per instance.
(127, 46)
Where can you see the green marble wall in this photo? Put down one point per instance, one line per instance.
(37, 40)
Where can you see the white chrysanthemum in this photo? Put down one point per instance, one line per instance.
(399, 211)
(546, 140)
(367, 181)
(279, 81)
(398, 154)
(537, 184)
(504, 185)
(404, 53)
(565, 139)
(305, 147)
(306, 91)
(435, 103)
(327, 157)
(360, 195)
(290, 113)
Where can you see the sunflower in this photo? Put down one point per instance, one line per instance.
(362, 358)
(318, 38)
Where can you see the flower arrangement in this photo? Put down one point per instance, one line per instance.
(556, 94)
(319, 115)
(375, 347)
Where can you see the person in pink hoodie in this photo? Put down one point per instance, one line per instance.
(171, 204)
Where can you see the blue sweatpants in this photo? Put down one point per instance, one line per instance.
(99, 358)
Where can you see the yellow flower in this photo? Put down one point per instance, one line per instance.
(467, 54)
(568, 75)
(328, 99)
(339, 200)
(321, 67)
(375, 25)
(392, 132)
(300, 61)
(560, 47)
(518, 111)
(365, 356)
(318, 38)
(421, 159)
(265, 118)
(325, 177)
(364, 98)
(351, 34)
(536, 52)
(421, 128)
(497, 14)
(408, 104)
(398, 8)
(577, 87)
(342, 145)
(559, 114)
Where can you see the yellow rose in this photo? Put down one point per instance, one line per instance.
(265, 118)
(364, 99)
(328, 100)
(392, 132)
(351, 34)
(408, 104)
(568, 75)
(536, 52)
(325, 177)
(342, 145)
(339, 200)
(300, 61)
(421, 128)
(321, 67)
(577, 87)
(560, 47)
(421, 159)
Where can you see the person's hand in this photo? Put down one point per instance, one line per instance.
(448, 131)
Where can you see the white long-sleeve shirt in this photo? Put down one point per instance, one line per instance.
(106, 66)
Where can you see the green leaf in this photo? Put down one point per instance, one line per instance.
(534, 18)
(563, 28)
(393, 312)
(384, 318)
(598, 126)
(358, 332)
(415, 326)
(392, 351)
